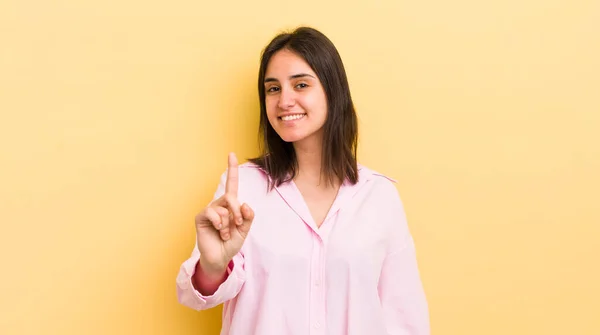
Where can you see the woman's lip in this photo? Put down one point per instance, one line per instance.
(282, 116)
(292, 121)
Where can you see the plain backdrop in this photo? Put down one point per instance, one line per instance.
(117, 117)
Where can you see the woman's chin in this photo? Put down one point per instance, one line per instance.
(291, 137)
(297, 136)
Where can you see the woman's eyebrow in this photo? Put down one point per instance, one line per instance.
(301, 75)
(296, 76)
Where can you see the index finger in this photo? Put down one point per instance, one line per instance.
(231, 185)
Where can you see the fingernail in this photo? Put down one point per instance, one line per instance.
(240, 220)
(220, 226)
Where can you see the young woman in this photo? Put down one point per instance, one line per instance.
(304, 240)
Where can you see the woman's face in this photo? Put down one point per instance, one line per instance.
(295, 100)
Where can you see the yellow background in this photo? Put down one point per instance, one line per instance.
(117, 116)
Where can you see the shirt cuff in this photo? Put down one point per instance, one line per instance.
(226, 291)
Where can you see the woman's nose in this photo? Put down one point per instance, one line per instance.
(286, 99)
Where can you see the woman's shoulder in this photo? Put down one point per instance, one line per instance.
(249, 165)
(370, 174)
(252, 170)
(381, 185)
(252, 177)
(381, 188)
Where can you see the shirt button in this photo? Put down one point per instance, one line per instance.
(317, 283)
(317, 325)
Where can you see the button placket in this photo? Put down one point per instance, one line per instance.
(317, 295)
(321, 288)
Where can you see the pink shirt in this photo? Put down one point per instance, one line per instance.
(356, 274)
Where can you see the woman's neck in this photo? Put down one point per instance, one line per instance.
(309, 157)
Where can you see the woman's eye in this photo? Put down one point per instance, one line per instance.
(273, 89)
(301, 85)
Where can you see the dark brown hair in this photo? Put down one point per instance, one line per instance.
(340, 135)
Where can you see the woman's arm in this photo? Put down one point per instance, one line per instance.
(402, 296)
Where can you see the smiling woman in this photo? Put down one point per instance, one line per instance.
(303, 239)
(290, 99)
(302, 76)
(295, 101)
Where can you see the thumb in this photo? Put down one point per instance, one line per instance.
(248, 215)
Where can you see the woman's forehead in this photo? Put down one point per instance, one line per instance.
(285, 63)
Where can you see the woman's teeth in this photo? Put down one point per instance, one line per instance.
(292, 117)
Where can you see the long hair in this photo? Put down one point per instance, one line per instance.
(340, 135)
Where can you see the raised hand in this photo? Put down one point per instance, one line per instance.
(222, 227)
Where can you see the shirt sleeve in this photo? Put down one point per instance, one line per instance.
(190, 297)
(401, 292)
(404, 303)
(187, 293)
